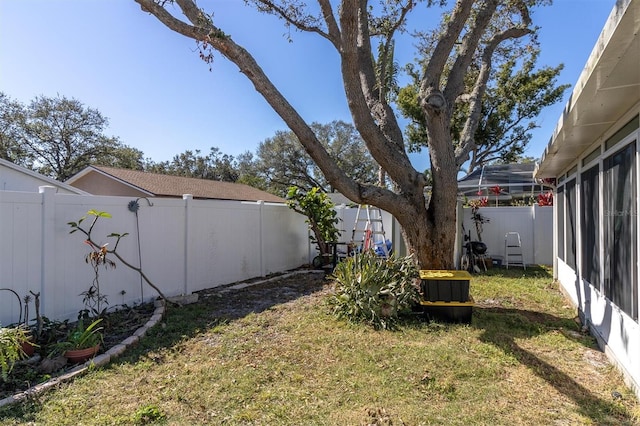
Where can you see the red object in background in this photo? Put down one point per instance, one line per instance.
(496, 189)
(545, 199)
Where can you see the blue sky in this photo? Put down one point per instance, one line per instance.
(162, 99)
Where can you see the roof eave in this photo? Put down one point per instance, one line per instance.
(608, 87)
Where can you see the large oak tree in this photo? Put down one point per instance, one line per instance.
(60, 136)
(472, 32)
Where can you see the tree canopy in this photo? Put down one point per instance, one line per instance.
(458, 63)
(514, 97)
(213, 166)
(59, 136)
(282, 162)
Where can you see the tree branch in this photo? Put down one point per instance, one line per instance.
(269, 6)
(440, 55)
(455, 83)
(217, 40)
(359, 80)
(471, 125)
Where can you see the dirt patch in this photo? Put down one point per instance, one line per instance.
(238, 300)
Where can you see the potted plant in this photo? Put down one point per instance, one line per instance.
(11, 340)
(81, 343)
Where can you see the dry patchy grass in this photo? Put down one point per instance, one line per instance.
(274, 355)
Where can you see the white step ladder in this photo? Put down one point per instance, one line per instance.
(513, 250)
(369, 230)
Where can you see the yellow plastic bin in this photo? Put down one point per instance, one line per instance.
(445, 295)
(445, 286)
(448, 311)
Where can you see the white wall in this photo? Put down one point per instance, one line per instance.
(17, 178)
(186, 245)
(533, 223)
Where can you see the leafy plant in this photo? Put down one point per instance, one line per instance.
(478, 219)
(148, 414)
(545, 198)
(496, 190)
(92, 298)
(80, 338)
(321, 216)
(99, 254)
(373, 289)
(11, 340)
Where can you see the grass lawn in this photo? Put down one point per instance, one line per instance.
(522, 361)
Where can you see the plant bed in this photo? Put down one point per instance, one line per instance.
(117, 326)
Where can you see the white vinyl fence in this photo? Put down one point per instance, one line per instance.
(533, 223)
(185, 245)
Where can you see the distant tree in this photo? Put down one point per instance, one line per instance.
(214, 166)
(11, 117)
(513, 99)
(282, 161)
(59, 137)
(123, 157)
(248, 174)
(520, 159)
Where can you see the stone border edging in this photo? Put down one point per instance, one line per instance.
(98, 361)
(240, 286)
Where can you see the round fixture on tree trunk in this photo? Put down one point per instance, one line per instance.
(436, 100)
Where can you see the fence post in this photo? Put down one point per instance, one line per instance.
(188, 206)
(261, 233)
(47, 248)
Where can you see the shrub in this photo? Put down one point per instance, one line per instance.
(321, 215)
(11, 340)
(375, 290)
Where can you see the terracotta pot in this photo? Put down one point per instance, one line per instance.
(28, 348)
(81, 355)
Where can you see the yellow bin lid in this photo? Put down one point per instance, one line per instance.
(444, 275)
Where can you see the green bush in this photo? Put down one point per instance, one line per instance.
(11, 340)
(321, 215)
(373, 289)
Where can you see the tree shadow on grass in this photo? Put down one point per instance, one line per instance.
(502, 326)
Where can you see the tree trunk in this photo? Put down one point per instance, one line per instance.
(429, 234)
(435, 244)
(429, 227)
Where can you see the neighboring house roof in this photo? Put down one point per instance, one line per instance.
(499, 174)
(608, 87)
(513, 179)
(101, 180)
(17, 178)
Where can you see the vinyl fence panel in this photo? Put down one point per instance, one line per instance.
(182, 245)
(533, 223)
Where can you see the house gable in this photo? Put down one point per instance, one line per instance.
(18, 178)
